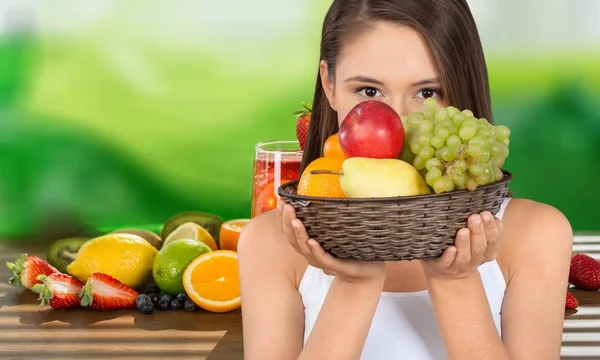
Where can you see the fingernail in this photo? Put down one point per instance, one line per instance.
(476, 221)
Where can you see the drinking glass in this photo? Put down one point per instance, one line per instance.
(275, 163)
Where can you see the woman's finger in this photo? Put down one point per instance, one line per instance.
(478, 237)
(447, 257)
(325, 261)
(463, 249)
(493, 236)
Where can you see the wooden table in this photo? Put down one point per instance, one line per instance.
(30, 332)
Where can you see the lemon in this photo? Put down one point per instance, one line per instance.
(126, 257)
(193, 231)
(171, 261)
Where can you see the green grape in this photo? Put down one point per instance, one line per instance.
(506, 142)
(497, 174)
(430, 114)
(424, 140)
(446, 123)
(419, 163)
(477, 169)
(470, 122)
(453, 141)
(474, 150)
(441, 115)
(460, 180)
(436, 142)
(484, 157)
(469, 113)
(447, 154)
(459, 119)
(467, 131)
(429, 104)
(433, 175)
(495, 148)
(433, 163)
(427, 152)
(453, 130)
(442, 132)
(479, 141)
(497, 162)
(502, 133)
(461, 165)
(483, 131)
(472, 184)
(443, 184)
(415, 147)
(425, 127)
(482, 180)
(452, 111)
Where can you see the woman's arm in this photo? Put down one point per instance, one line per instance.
(272, 308)
(536, 247)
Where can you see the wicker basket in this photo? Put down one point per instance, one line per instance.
(392, 229)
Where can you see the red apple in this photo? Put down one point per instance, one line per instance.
(372, 129)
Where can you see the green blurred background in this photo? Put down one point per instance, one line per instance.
(125, 113)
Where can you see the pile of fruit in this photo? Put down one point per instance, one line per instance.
(192, 264)
(584, 274)
(378, 154)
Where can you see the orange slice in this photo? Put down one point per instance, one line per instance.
(230, 233)
(212, 281)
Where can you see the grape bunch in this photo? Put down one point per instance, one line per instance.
(453, 149)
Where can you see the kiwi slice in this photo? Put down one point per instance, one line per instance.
(147, 235)
(62, 252)
(210, 222)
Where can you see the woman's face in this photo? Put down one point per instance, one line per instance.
(389, 63)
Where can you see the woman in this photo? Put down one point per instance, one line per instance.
(499, 293)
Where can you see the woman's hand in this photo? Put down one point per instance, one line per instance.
(474, 246)
(346, 270)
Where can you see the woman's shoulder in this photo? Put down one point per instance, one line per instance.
(262, 242)
(532, 228)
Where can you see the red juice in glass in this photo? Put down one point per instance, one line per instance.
(275, 163)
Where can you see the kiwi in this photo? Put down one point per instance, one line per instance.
(62, 252)
(147, 235)
(212, 223)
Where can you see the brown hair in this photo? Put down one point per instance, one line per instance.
(447, 27)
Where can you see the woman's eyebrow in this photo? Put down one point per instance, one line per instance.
(434, 81)
(364, 79)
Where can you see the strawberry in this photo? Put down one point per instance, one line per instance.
(571, 302)
(302, 123)
(103, 292)
(585, 272)
(26, 270)
(60, 291)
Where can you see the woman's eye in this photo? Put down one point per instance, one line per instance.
(369, 92)
(427, 93)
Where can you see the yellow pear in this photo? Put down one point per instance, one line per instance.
(370, 178)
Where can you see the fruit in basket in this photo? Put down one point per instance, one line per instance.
(212, 281)
(26, 270)
(126, 257)
(60, 291)
(372, 129)
(103, 292)
(302, 123)
(332, 148)
(192, 231)
(62, 252)
(210, 222)
(369, 178)
(171, 261)
(322, 185)
(584, 272)
(453, 149)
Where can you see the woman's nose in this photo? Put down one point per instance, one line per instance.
(400, 106)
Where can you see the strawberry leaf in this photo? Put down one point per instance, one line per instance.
(86, 294)
(43, 289)
(17, 268)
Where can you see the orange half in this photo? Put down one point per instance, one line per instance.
(230, 233)
(212, 281)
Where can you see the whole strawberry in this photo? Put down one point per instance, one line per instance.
(26, 270)
(571, 302)
(585, 272)
(302, 122)
(103, 292)
(60, 291)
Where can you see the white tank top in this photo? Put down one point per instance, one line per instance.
(404, 325)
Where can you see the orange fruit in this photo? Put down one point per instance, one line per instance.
(212, 281)
(332, 148)
(322, 185)
(230, 233)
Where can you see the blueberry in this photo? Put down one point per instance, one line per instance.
(154, 297)
(165, 297)
(146, 308)
(164, 304)
(141, 300)
(175, 304)
(182, 297)
(190, 305)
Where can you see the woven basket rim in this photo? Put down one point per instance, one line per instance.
(507, 178)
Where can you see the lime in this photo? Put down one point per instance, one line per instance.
(171, 261)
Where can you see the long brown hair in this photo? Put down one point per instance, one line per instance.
(449, 30)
